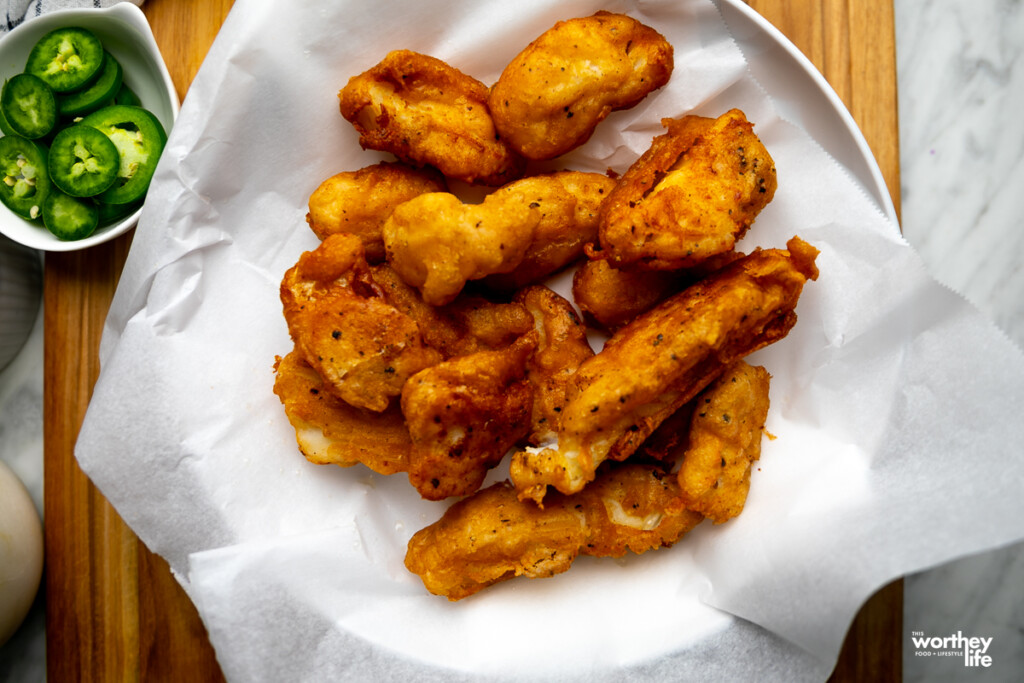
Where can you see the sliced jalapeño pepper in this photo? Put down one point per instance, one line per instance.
(25, 180)
(127, 96)
(69, 218)
(139, 137)
(99, 93)
(28, 106)
(5, 127)
(83, 161)
(67, 58)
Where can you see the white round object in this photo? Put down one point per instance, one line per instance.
(21, 552)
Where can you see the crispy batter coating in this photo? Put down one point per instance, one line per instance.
(464, 415)
(521, 233)
(427, 112)
(690, 196)
(330, 431)
(652, 366)
(569, 203)
(642, 510)
(466, 325)
(358, 202)
(437, 243)
(611, 297)
(492, 536)
(360, 345)
(561, 348)
(552, 96)
(670, 438)
(724, 442)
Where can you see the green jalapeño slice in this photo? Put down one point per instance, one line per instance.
(95, 95)
(127, 96)
(25, 180)
(83, 161)
(139, 137)
(28, 106)
(69, 218)
(67, 58)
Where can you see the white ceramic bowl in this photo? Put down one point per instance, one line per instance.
(125, 33)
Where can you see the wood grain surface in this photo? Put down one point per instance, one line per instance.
(853, 44)
(114, 612)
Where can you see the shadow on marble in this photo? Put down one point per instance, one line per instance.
(23, 657)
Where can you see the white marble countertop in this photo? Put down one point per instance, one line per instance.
(961, 88)
(961, 91)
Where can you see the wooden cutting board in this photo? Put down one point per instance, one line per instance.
(114, 612)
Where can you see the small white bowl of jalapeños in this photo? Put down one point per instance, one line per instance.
(67, 75)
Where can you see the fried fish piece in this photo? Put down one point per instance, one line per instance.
(642, 510)
(437, 243)
(670, 438)
(358, 202)
(464, 415)
(330, 431)
(427, 112)
(610, 297)
(518, 235)
(724, 441)
(651, 367)
(552, 96)
(492, 536)
(363, 347)
(561, 348)
(466, 325)
(569, 203)
(691, 196)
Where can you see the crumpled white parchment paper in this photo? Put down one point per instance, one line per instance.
(895, 405)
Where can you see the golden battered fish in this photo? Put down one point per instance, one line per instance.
(670, 438)
(330, 431)
(464, 415)
(691, 196)
(569, 203)
(466, 325)
(652, 366)
(427, 112)
(561, 348)
(724, 441)
(437, 243)
(519, 234)
(492, 536)
(610, 297)
(363, 347)
(552, 96)
(358, 202)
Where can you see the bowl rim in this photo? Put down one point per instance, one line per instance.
(123, 15)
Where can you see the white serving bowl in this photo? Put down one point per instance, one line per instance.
(125, 33)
